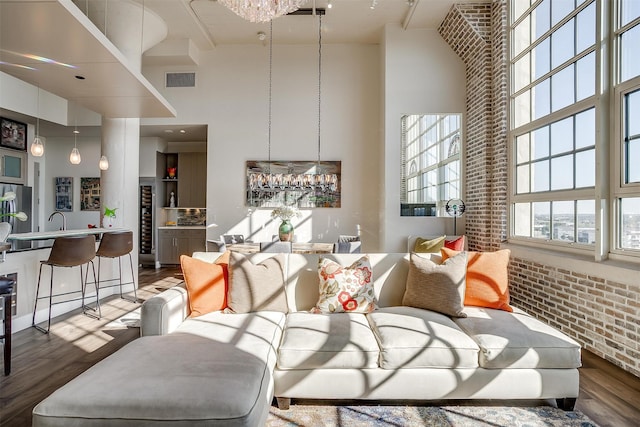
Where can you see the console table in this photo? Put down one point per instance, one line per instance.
(297, 248)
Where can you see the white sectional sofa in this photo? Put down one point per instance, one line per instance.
(230, 366)
(395, 352)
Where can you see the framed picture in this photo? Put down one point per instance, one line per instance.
(14, 134)
(89, 194)
(64, 194)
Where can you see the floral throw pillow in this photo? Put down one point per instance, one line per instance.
(345, 289)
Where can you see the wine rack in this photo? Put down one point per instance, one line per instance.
(146, 219)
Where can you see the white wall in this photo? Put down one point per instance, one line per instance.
(421, 75)
(231, 97)
(58, 165)
(149, 146)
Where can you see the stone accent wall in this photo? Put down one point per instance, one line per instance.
(599, 313)
(467, 29)
(603, 315)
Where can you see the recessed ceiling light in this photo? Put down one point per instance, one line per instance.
(183, 131)
(168, 131)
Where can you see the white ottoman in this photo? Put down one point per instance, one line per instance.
(171, 380)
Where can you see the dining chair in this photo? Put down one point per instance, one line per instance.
(347, 247)
(232, 239)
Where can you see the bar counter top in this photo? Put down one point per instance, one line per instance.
(46, 235)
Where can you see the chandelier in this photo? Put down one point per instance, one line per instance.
(314, 179)
(262, 10)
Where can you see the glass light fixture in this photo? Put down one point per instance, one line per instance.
(262, 10)
(37, 148)
(74, 157)
(103, 164)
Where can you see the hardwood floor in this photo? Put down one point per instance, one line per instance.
(42, 363)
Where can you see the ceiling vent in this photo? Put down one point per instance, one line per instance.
(180, 80)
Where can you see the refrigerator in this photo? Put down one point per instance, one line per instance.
(22, 203)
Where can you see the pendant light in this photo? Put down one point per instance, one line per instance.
(74, 157)
(103, 164)
(37, 148)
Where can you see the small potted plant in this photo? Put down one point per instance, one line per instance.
(285, 213)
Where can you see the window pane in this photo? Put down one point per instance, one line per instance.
(540, 176)
(540, 143)
(562, 88)
(560, 9)
(632, 119)
(632, 137)
(586, 75)
(562, 136)
(630, 221)
(562, 44)
(629, 65)
(521, 36)
(586, 28)
(541, 102)
(522, 179)
(541, 58)
(630, 10)
(522, 109)
(563, 221)
(541, 17)
(522, 219)
(521, 73)
(542, 220)
(586, 128)
(633, 162)
(586, 221)
(586, 169)
(522, 148)
(562, 172)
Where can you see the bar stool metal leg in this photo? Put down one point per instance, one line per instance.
(84, 288)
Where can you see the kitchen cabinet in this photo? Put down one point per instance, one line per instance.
(173, 242)
(192, 182)
(188, 181)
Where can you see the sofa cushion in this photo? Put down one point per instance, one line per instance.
(415, 338)
(206, 283)
(437, 287)
(428, 245)
(345, 289)
(517, 340)
(176, 379)
(341, 340)
(256, 287)
(258, 333)
(487, 278)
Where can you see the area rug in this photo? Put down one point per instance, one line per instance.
(425, 416)
(129, 320)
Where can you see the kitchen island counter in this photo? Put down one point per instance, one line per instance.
(46, 235)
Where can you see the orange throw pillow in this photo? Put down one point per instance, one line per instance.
(487, 278)
(206, 283)
(455, 244)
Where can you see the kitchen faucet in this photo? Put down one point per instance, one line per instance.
(64, 219)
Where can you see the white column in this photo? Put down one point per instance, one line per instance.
(132, 29)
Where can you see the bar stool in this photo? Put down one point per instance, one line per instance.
(6, 288)
(117, 244)
(69, 251)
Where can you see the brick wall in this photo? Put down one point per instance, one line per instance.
(601, 314)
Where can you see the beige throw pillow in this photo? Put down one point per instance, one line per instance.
(256, 287)
(437, 287)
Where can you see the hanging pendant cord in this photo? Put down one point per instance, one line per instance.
(270, 90)
(319, 81)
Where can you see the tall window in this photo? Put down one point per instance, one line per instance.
(560, 158)
(627, 116)
(430, 162)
